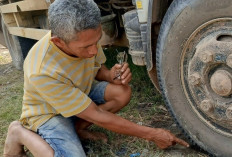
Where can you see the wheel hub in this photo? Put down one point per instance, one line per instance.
(221, 83)
(206, 73)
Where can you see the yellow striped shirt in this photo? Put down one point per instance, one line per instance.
(56, 83)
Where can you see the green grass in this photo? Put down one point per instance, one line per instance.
(11, 91)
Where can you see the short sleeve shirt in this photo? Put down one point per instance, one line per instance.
(56, 83)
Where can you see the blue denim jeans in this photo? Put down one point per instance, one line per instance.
(59, 132)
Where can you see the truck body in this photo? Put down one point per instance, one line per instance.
(185, 46)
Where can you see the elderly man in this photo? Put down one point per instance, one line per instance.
(61, 98)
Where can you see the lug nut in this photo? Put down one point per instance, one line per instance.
(195, 79)
(206, 105)
(206, 57)
(229, 60)
(229, 112)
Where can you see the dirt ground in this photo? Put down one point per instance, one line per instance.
(160, 119)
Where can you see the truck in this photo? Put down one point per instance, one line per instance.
(186, 46)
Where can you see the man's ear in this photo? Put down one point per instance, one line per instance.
(58, 42)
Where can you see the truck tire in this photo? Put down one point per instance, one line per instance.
(17, 46)
(194, 64)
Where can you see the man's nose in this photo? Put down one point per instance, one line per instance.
(93, 50)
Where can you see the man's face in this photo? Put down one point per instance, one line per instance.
(85, 45)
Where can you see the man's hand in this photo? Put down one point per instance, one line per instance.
(120, 74)
(164, 139)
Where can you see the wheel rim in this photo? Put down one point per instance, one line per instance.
(206, 68)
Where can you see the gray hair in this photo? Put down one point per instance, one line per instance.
(68, 17)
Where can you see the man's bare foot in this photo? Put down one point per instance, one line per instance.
(85, 134)
(12, 147)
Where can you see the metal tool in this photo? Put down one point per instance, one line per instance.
(121, 58)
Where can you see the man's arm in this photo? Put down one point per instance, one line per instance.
(103, 74)
(161, 137)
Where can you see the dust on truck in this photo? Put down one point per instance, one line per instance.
(186, 46)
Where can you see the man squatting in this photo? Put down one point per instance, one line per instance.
(61, 98)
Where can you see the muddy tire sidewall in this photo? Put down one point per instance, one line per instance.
(181, 20)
